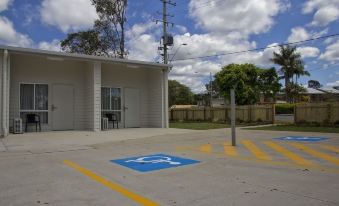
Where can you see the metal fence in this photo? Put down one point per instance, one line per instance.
(320, 113)
(249, 113)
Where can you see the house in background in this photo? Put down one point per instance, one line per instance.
(314, 95)
(73, 92)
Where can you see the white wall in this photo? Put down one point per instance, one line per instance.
(147, 80)
(36, 69)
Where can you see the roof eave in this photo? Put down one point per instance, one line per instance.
(20, 50)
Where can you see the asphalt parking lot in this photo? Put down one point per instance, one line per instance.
(169, 167)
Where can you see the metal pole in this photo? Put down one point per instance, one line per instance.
(164, 18)
(210, 89)
(233, 117)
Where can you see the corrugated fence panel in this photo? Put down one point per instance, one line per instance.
(247, 113)
(317, 113)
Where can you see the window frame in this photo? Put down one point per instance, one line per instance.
(110, 101)
(34, 110)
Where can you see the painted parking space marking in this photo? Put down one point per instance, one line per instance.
(330, 148)
(111, 185)
(302, 138)
(316, 153)
(230, 150)
(206, 148)
(153, 162)
(256, 151)
(288, 154)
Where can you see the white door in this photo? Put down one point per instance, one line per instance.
(132, 108)
(63, 107)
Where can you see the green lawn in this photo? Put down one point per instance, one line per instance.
(197, 125)
(299, 128)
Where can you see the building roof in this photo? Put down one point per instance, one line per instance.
(329, 90)
(20, 50)
(313, 91)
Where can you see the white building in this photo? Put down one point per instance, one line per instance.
(73, 92)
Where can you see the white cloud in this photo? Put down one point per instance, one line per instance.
(9, 36)
(68, 15)
(4, 4)
(243, 16)
(333, 84)
(331, 52)
(298, 34)
(54, 45)
(308, 51)
(210, 44)
(194, 73)
(326, 11)
(143, 48)
(301, 34)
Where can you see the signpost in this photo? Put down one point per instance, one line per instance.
(233, 117)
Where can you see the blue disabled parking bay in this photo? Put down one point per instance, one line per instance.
(153, 162)
(302, 138)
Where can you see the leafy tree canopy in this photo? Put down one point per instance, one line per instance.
(107, 37)
(179, 94)
(249, 82)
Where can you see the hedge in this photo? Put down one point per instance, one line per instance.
(284, 108)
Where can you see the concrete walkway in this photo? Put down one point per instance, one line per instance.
(76, 140)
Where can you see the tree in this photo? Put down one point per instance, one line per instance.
(248, 81)
(107, 37)
(314, 84)
(86, 42)
(291, 65)
(179, 93)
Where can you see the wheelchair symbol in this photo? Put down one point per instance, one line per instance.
(154, 159)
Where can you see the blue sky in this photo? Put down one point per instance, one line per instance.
(208, 27)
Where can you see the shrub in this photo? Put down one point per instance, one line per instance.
(284, 108)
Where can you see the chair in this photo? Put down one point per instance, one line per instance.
(113, 118)
(33, 119)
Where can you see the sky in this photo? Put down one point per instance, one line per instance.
(207, 27)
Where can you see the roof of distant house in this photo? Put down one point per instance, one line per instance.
(313, 91)
(329, 90)
(183, 106)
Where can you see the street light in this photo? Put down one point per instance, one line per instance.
(176, 51)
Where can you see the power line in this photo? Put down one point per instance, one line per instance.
(258, 49)
(202, 5)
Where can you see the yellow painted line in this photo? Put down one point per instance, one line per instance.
(292, 156)
(206, 148)
(111, 185)
(230, 150)
(315, 153)
(331, 148)
(258, 153)
(268, 162)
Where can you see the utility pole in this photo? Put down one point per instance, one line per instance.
(167, 40)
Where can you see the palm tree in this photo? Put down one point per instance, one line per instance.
(291, 64)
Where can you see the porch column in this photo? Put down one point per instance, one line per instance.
(4, 94)
(93, 96)
(97, 96)
(165, 99)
